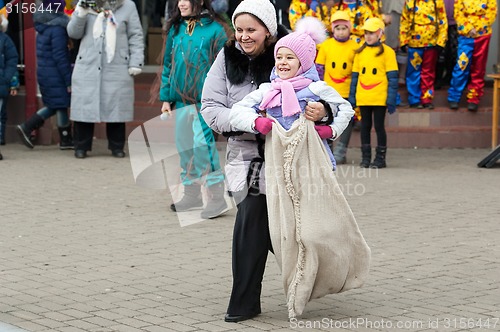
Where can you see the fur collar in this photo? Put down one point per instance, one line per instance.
(239, 65)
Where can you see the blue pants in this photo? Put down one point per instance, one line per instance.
(62, 115)
(421, 74)
(195, 144)
(472, 54)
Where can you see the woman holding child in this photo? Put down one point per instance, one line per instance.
(244, 63)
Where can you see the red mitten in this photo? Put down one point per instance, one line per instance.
(263, 125)
(324, 131)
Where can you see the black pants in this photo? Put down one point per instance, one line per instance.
(373, 115)
(84, 132)
(251, 243)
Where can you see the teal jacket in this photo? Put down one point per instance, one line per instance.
(188, 58)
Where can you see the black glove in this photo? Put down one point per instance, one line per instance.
(404, 48)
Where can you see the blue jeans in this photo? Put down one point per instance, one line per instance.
(62, 115)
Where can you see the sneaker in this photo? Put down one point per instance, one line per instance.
(419, 106)
(1, 157)
(429, 106)
(472, 107)
(453, 105)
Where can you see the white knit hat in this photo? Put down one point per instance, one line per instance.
(262, 9)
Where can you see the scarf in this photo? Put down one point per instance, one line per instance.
(283, 94)
(110, 34)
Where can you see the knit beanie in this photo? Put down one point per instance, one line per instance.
(262, 9)
(308, 32)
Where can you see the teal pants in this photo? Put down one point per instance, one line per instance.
(195, 144)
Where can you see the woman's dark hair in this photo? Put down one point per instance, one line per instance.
(380, 50)
(200, 8)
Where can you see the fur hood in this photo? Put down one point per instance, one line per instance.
(109, 4)
(239, 65)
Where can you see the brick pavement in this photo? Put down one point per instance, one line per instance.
(82, 248)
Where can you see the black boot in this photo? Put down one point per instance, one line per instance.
(379, 161)
(24, 129)
(2, 133)
(216, 204)
(366, 156)
(191, 199)
(65, 138)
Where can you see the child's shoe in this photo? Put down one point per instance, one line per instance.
(472, 107)
(366, 156)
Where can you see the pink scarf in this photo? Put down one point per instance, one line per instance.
(283, 94)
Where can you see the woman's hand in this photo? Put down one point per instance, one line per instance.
(315, 111)
(166, 107)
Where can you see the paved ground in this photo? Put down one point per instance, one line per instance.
(82, 248)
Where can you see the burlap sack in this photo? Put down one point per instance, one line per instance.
(315, 238)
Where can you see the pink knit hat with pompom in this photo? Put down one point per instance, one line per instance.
(309, 31)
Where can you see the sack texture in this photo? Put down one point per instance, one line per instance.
(315, 237)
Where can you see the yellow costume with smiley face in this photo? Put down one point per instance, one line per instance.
(338, 58)
(372, 86)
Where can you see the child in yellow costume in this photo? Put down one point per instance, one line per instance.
(474, 24)
(359, 11)
(334, 63)
(423, 32)
(321, 9)
(374, 88)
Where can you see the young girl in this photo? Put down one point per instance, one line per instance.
(423, 30)
(359, 11)
(474, 22)
(53, 73)
(195, 35)
(374, 87)
(294, 82)
(319, 253)
(334, 63)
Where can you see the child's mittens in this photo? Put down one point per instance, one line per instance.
(391, 109)
(263, 125)
(324, 131)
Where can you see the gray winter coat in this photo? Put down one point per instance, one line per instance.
(218, 96)
(102, 91)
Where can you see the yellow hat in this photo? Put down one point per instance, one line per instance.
(340, 15)
(373, 24)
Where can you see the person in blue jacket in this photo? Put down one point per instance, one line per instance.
(8, 70)
(53, 73)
